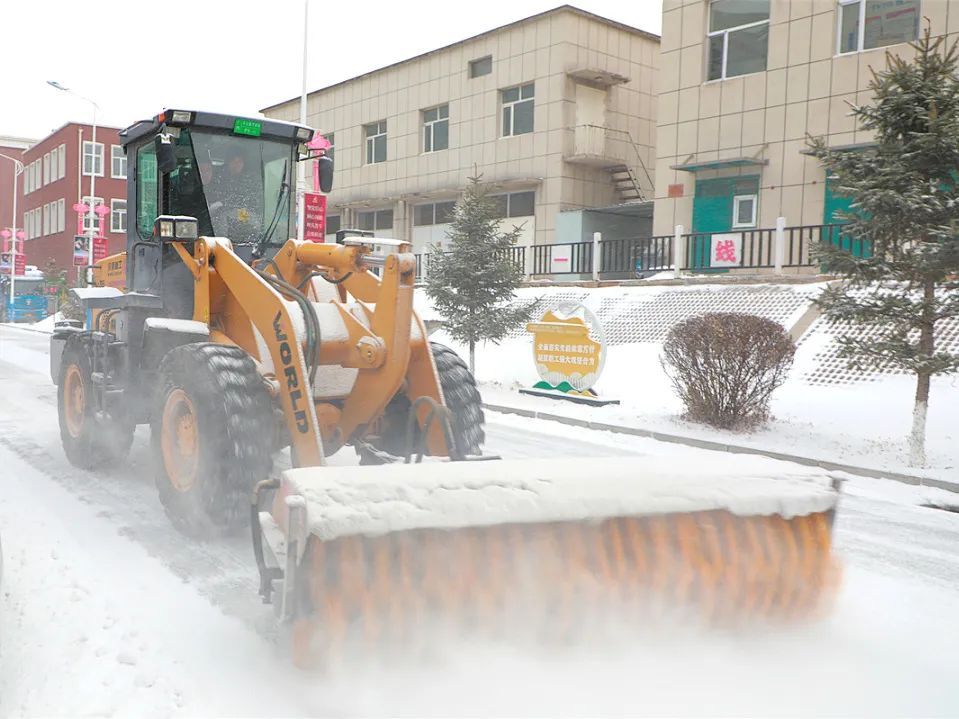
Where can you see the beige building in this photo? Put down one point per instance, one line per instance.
(557, 111)
(742, 82)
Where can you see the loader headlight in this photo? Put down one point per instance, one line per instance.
(187, 228)
(176, 228)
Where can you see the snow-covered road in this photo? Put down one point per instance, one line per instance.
(107, 610)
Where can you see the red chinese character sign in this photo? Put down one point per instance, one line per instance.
(314, 217)
(99, 248)
(726, 250)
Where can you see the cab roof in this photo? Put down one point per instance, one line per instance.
(274, 129)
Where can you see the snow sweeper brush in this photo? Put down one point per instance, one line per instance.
(366, 558)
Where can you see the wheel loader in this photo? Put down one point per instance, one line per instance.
(233, 342)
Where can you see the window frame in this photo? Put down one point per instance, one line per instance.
(54, 165)
(117, 153)
(725, 33)
(475, 63)
(511, 107)
(369, 142)
(376, 214)
(114, 212)
(429, 127)
(61, 214)
(62, 160)
(98, 153)
(737, 199)
(861, 35)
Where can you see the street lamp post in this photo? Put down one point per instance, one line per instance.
(301, 166)
(14, 237)
(92, 218)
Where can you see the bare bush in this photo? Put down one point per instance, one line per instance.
(725, 366)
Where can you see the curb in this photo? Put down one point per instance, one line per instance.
(731, 448)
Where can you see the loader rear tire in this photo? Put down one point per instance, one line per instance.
(211, 433)
(87, 441)
(462, 399)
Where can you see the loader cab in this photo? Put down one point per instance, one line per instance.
(235, 175)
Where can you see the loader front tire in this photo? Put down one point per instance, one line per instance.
(211, 433)
(88, 441)
(462, 399)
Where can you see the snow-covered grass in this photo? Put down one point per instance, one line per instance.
(864, 424)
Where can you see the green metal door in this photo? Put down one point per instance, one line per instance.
(713, 211)
(835, 204)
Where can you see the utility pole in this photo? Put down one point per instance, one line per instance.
(14, 238)
(301, 166)
(91, 212)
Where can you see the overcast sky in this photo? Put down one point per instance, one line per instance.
(229, 56)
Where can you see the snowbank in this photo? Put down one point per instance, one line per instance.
(370, 500)
(864, 423)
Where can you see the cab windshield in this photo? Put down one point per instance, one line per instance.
(236, 187)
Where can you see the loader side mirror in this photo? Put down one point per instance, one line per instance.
(325, 165)
(165, 152)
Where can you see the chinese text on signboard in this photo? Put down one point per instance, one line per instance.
(314, 217)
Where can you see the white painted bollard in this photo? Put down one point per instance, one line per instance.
(597, 259)
(679, 251)
(780, 246)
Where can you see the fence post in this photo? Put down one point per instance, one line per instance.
(780, 243)
(679, 252)
(597, 237)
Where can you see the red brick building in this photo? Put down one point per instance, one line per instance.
(57, 176)
(11, 147)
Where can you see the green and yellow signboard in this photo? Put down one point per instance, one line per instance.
(569, 351)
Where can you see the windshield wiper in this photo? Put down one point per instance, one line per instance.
(271, 228)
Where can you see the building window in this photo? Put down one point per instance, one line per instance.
(46, 168)
(332, 224)
(46, 220)
(62, 160)
(93, 159)
(517, 110)
(54, 165)
(118, 162)
(439, 213)
(375, 142)
(481, 66)
(436, 128)
(375, 220)
(515, 204)
(738, 37)
(868, 24)
(61, 215)
(86, 215)
(744, 210)
(118, 215)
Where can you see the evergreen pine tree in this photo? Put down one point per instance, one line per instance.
(472, 281)
(903, 220)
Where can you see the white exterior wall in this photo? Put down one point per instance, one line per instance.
(806, 88)
(541, 50)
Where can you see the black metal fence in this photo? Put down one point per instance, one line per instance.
(626, 258)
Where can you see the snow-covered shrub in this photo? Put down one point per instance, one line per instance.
(725, 366)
